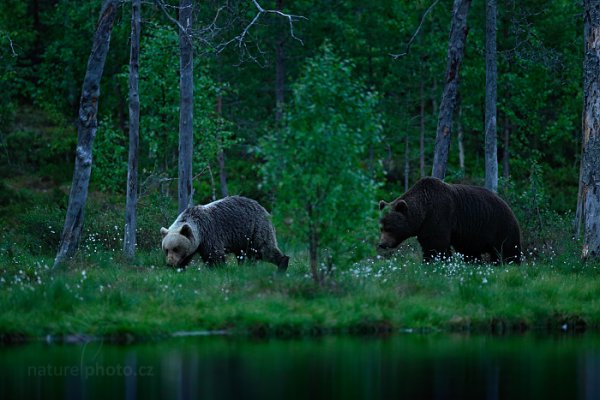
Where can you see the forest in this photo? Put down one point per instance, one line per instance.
(317, 110)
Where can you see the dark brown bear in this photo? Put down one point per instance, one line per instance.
(234, 224)
(472, 220)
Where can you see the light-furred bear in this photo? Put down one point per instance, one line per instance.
(234, 224)
(471, 219)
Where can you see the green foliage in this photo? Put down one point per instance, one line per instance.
(336, 136)
(317, 166)
(110, 158)
(159, 117)
(545, 232)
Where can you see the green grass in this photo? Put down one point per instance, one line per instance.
(102, 295)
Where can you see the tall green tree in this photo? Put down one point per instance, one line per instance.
(316, 165)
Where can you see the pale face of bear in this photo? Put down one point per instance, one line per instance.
(177, 245)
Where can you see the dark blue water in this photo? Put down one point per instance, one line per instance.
(401, 366)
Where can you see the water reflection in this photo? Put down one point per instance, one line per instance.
(402, 366)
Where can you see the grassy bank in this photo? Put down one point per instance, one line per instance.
(102, 295)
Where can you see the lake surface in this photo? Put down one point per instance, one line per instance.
(407, 366)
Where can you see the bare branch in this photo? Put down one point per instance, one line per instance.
(261, 11)
(163, 7)
(11, 44)
(412, 39)
(207, 35)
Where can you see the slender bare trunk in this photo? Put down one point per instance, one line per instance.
(313, 245)
(406, 162)
(460, 137)
(221, 153)
(589, 184)
(186, 84)
(456, 49)
(279, 70)
(491, 76)
(422, 131)
(129, 241)
(86, 132)
(213, 187)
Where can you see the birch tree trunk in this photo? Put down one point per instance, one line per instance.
(589, 184)
(186, 86)
(86, 132)
(129, 241)
(422, 130)
(313, 246)
(406, 162)
(221, 153)
(456, 50)
(460, 137)
(491, 77)
(279, 71)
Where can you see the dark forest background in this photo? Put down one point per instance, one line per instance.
(341, 78)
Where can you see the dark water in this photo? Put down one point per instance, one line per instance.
(402, 366)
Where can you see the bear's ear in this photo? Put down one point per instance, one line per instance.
(164, 231)
(186, 231)
(382, 205)
(401, 207)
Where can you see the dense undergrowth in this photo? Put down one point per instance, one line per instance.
(102, 295)
(99, 293)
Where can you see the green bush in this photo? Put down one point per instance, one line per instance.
(544, 231)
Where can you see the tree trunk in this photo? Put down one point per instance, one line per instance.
(221, 153)
(456, 49)
(589, 184)
(129, 241)
(86, 133)
(279, 70)
(186, 86)
(460, 137)
(422, 131)
(313, 245)
(406, 162)
(491, 77)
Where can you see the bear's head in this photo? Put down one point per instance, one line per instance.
(178, 245)
(395, 225)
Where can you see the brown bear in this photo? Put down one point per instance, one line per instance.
(233, 224)
(472, 220)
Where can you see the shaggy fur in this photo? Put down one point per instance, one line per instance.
(234, 224)
(471, 219)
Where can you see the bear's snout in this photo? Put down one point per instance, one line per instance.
(387, 242)
(173, 259)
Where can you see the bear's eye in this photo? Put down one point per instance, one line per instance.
(176, 249)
